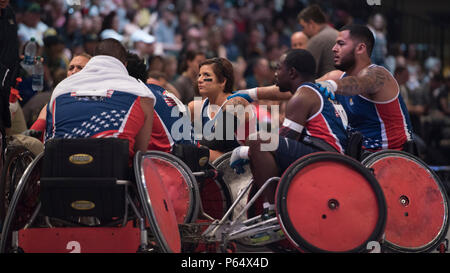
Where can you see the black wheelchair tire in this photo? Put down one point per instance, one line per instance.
(16, 161)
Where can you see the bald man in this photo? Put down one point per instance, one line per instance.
(299, 40)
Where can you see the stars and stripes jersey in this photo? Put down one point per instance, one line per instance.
(117, 115)
(384, 125)
(329, 123)
(171, 124)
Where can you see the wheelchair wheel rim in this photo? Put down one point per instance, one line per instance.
(416, 199)
(157, 205)
(327, 202)
(234, 182)
(180, 184)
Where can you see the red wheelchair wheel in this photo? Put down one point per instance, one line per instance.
(328, 202)
(416, 201)
(157, 204)
(180, 184)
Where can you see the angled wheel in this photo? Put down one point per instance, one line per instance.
(234, 182)
(24, 201)
(328, 202)
(180, 184)
(17, 160)
(417, 203)
(157, 204)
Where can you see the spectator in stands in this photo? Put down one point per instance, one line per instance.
(143, 44)
(55, 62)
(416, 100)
(377, 24)
(186, 82)
(321, 36)
(438, 120)
(31, 25)
(71, 32)
(110, 27)
(228, 36)
(165, 30)
(299, 40)
(259, 73)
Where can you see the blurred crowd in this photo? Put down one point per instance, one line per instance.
(174, 36)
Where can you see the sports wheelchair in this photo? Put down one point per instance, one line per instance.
(325, 202)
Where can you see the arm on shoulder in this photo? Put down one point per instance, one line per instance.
(272, 93)
(375, 82)
(332, 75)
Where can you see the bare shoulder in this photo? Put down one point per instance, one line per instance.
(376, 71)
(237, 101)
(303, 104)
(332, 75)
(382, 83)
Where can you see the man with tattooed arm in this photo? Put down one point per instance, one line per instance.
(369, 93)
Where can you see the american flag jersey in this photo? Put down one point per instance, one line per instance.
(384, 125)
(117, 115)
(167, 119)
(328, 123)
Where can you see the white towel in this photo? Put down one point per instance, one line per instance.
(101, 74)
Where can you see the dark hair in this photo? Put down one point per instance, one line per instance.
(399, 70)
(223, 70)
(189, 56)
(111, 47)
(362, 34)
(314, 13)
(136, 67)
(108, 20)
(302, 61)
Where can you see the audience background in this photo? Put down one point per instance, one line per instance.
(251, 34)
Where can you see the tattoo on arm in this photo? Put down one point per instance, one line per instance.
(370, 83)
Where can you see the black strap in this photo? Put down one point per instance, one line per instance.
(318, 143)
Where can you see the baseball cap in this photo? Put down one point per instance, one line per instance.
(110, 33)
(142, 36)
(34, 8)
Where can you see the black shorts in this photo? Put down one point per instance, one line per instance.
(289, 151)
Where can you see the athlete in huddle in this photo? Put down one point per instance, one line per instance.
(223, 122)
(312, 123)
(171, 123)
(369, 93)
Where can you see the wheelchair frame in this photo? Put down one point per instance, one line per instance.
(221, 231)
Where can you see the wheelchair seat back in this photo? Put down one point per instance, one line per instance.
(79, 178)
(354, 146)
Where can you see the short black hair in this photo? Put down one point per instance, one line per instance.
(111, 47)
(312, 13)
(362, 34)
(302, 61)
(136, 67)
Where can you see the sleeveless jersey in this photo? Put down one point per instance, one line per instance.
(329, 123)
(208, 124)
(384, 125)
(171, 125)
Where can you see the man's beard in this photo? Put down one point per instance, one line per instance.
(347, 62)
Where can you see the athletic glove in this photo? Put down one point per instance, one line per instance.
(239, 158)
(249, 94)
(328, 88)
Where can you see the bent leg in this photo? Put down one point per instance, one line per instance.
(263, 167)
